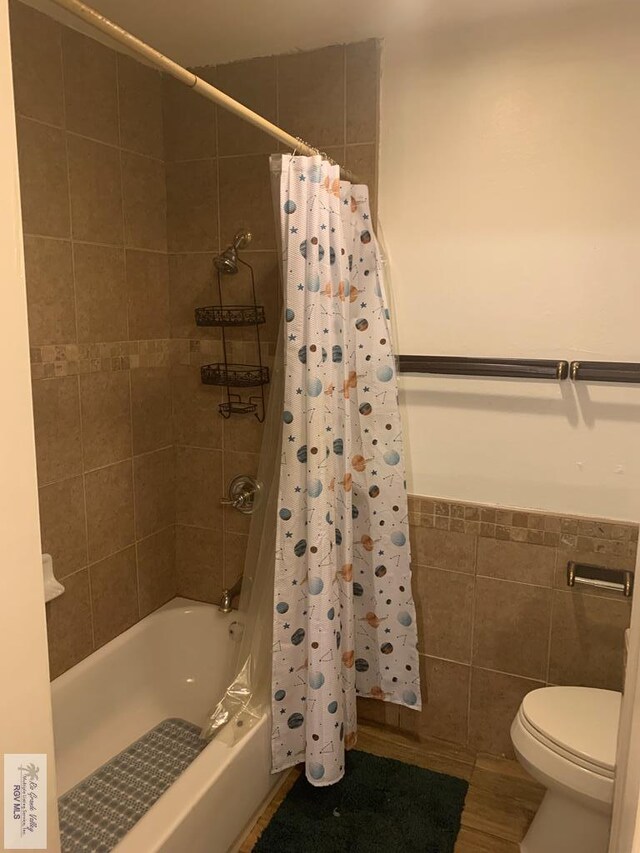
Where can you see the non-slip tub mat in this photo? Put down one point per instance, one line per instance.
(380, 806)
(100, 810)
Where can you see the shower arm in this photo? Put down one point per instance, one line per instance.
(153, 56)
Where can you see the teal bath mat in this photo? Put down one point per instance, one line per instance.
(100, 810)
(380, 806)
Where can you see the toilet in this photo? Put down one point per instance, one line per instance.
(565, 737)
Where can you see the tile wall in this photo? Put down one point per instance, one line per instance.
(130, 184)
(217, 183)
(497, 619)
(92, 180)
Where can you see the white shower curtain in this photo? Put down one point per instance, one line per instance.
(344, 619)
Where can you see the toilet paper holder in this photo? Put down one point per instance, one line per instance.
(615, 580)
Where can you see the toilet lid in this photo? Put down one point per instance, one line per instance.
(581, 721)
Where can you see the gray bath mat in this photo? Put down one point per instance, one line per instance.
(100, 810)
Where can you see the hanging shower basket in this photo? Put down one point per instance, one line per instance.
(234, 375)
(230, 315)
(224, 373)
(235, 405)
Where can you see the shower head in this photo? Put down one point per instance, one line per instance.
(227, 262)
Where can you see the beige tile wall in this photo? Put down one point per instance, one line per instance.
(497, 619)
(130, 183)
(217, 183)
(94, 214)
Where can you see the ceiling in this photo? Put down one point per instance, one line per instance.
(200, 32)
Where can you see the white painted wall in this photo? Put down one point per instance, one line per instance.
(199, 32)
(25, 704)
(510, 205)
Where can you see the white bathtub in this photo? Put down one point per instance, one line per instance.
(168, 665)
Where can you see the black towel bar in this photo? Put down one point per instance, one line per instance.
(605, 371)
(507, 367)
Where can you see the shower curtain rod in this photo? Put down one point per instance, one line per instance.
(111, 29)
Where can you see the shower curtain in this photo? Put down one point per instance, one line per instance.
(343, 617)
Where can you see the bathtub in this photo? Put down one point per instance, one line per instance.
(168, 665)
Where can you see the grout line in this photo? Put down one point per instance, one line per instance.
(182, 252)
(250, 154)
(113, 145)
(86, 513)
(519, 582)
(468, 664)
(124, 224)
(473, 629)
(551, 609)
(88, 565)
(222, 431)
(199, 527)
(126, 287)
(135, 498)
(503, 672)
(277, 148)
(48, 236)
(78, 242)
(552, 587)
(228, 453)
(135, 533)
(344, 106)
(277, 86)
(376, 179)
(217, 163)
(130, 458)
(472, 666)
(418, 567)
(75, 305)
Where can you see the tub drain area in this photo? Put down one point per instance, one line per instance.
(99, 811)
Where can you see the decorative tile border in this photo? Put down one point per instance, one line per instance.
(57, 360)
(50, 362)
(537, 528)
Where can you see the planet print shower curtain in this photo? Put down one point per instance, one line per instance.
(344, 619)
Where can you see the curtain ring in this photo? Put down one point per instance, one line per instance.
(309, 147)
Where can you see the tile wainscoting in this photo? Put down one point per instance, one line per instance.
(497, 619)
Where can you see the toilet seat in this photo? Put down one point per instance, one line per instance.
(578, 723)
(566, 738)
(564, 753)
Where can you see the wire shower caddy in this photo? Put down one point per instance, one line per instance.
(229, 375)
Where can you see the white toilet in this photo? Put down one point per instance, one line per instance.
(565, 737)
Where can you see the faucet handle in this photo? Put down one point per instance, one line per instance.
(236, 503)
(243, 494)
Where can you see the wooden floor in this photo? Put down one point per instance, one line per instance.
(500, 804)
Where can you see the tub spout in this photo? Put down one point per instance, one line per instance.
(228, 595)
